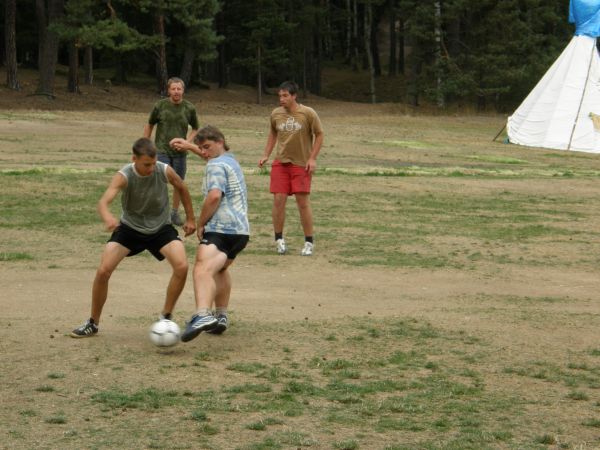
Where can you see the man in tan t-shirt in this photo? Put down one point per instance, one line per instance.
(298, 133)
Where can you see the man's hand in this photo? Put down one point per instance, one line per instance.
(262, 161)
(178, 144)
(200, 232)
(189, 226)
(110, 223)
(311, 166)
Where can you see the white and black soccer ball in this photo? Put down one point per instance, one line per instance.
(164, 333)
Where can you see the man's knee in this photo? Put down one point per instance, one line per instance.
(175, 254)
(103, 273)
(201, 270)
(180, 267)
(303, 203)
(279, 200)
(208, 268)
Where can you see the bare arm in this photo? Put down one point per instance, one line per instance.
(182, 145)
(117, 184)
(186, 199)
(271, 141)
(311, 164)
(209, 207)
(148, 130)
(192, 134)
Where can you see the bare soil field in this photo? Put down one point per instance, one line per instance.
(512, 319)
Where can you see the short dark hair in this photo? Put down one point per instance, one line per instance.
(144, 146)
(210, 133)
(289, 86)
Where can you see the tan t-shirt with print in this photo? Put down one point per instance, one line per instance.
(294, 133)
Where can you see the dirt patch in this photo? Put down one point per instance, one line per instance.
(527, 327)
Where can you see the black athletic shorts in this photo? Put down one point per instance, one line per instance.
(137, 242)
(230, 244)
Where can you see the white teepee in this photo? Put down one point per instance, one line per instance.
(560, 112)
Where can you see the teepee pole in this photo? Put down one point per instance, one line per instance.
(587, 76)
(499, 132)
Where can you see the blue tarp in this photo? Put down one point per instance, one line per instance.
(585, 14)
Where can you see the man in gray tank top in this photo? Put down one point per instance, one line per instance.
(145, 224)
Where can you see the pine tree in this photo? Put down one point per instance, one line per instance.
(260, 39)
(199, 38)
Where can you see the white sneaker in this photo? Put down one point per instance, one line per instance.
(281, 247)
(307, 250)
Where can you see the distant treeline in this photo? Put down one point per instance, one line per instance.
(487, 53)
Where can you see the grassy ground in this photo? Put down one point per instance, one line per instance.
(451, 302)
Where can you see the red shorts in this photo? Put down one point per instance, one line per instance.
(287, 178)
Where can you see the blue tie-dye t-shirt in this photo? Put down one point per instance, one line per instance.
(224, 173)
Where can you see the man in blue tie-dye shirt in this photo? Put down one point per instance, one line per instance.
(223, 231)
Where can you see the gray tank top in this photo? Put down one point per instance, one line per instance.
(145, 200)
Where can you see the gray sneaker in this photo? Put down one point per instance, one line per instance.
(197, 325)
(176, 218)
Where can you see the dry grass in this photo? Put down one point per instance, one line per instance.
(450, 303)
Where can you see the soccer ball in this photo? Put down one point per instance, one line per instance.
(164, 333)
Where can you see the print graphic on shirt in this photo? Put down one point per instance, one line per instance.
(290, 125)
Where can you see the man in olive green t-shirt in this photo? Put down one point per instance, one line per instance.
(172, 117)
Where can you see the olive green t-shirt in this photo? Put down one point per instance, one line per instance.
(295, 131)
(172, 120)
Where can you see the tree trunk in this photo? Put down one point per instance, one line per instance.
(318, 62)
(414, 71)
(222, 51)
(375, 51)
(73, 77)
(374, 45)
(355, 35)
(414, 87)
(42, 24)
(88, 65)
(438, 55)
(304, 69)
(49, 45)
(258, 76)
(368, 21)
(162, 74)
(187, 65)
(10, 41)
(393, 61)
(327, 43)
(348, 49)
(401, 54)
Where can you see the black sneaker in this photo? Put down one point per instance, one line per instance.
(88, 329)
(197, 325)
(222, 325)
(166, 316)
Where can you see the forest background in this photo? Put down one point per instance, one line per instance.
(482, 55)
